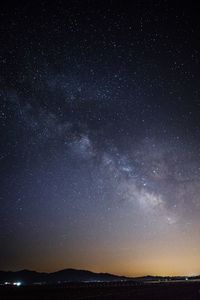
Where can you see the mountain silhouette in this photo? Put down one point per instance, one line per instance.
(73, 275)
(66, 275)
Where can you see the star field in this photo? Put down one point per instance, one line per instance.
(100, 149)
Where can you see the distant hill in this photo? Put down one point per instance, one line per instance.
(67, 275)
(73, 275)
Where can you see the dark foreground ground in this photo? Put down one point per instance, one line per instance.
(154, 291)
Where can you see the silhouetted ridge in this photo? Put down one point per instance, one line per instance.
(66, 275)
(73, 275)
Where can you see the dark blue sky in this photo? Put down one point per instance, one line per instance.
(100, 149)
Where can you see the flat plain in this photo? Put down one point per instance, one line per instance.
(150, 291)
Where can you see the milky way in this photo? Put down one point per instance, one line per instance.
(100, 150)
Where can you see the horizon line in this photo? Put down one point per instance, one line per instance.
(113, 274)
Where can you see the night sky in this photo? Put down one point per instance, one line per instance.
(100, 136)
